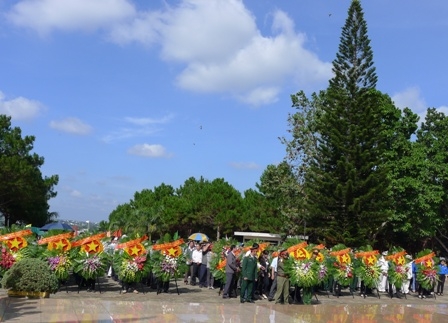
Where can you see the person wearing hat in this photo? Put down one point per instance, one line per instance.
(443, 271)
(408, 268)
(249, 275)
(282, 293)
(384, 266)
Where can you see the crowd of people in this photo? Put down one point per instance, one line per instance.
(261, 274)
(253, 273)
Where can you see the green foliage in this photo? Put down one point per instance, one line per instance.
(24, 192)
(368, 273)
(91, 266)
(306, 273)
(165, 267)
(339, 139)
(356, 171)
(131, 269)
(30, 275)
(427, 270)
(218, 272)
(282, 189)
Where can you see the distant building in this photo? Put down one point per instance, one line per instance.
(267, 237)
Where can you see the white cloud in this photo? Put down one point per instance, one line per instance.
(410, 98)
(230, 26)
(126, 133)
(45, 16)
(261, 95)
(19, 108)
(443, 109)
(147, 150)
(147, 121)
(75, 193)
(143, 28)
(71, 125)
(229, 55)
(242, 165)
(145, 127)
(251, 64)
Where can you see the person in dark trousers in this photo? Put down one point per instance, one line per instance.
(231, 271)
(273, 278)
(443, 271)
(249, 276)
(263, 280)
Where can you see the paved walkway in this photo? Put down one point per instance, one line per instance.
(194, 304)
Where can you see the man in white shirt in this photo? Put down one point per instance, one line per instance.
(384, 266)
(273, 278)
(196, 258)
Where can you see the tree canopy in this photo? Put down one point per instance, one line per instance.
(24, 192)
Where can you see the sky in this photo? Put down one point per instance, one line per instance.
(124, 95)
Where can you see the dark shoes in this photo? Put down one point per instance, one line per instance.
(225, 296)
(246, 301)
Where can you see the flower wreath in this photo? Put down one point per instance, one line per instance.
(304, 270)
(397, 273)
(90, 261)
(342, 265)
(366, 266)
(426, 269)
(132, 260)
(168, 260)
(16, 245)
(57, 254)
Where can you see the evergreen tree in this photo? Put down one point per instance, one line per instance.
(24, 192)
(347, 183)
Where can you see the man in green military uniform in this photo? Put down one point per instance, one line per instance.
(249, 275)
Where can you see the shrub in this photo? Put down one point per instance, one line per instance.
(30, 275)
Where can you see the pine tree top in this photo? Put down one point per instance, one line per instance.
(353, 66)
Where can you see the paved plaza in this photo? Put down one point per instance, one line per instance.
(194, 304)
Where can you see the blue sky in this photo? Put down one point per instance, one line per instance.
(124, 95)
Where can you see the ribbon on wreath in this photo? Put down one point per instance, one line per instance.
(58, 242)
(368, 257)
(171, 249)
(15, 240)
(134, 247)
(90, 244)
(342, 256)
(221, 264)
(298, 251)
(397, 258)
(427, 260)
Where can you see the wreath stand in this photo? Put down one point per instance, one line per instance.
(391, 293)
(141, 284)
(159, 289)
(337, 289)
(377, 290)
(97, 281)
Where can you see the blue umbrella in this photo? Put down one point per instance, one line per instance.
(57, 226)
(198, 237)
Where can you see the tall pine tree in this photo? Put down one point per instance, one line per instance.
(346, 184)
